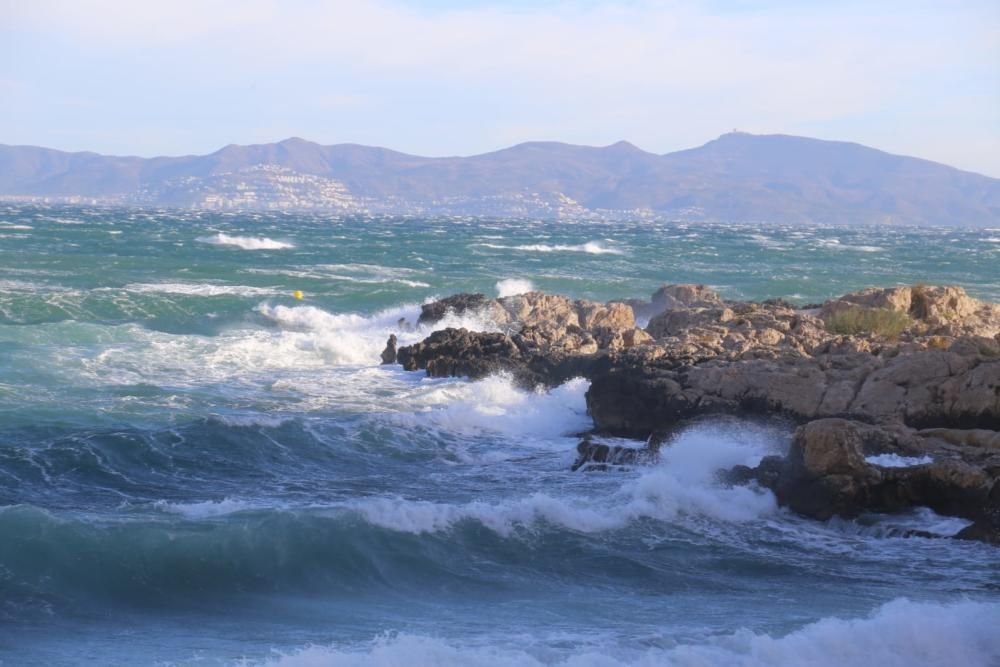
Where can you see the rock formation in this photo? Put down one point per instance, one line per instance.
(930, 387)
(389, 353)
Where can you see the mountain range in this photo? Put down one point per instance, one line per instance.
(737, 177)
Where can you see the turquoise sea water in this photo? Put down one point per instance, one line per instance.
(196, 468)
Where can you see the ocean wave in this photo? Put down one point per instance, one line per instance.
(590, 247)
(205, 509)
(362, 274)
(495, 404)
(683, 483)
(900, 633)
(199, 289)
(513, 287)
(245, 242)
(837, 245)
(356, 339)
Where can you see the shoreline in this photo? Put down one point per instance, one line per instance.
(906, 372)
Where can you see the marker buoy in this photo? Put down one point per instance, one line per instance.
(298, 294)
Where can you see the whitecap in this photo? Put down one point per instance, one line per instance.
(900, 633)
(204, 510)
(245, 242)
(196, 289)
(513, 287)
(590, 247)
(496, 405)
(685, 482)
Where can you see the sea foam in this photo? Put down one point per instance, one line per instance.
(513, 287)
(897, 461)
(590, 247)
(245, 242)
(683, 483)
(900, 633)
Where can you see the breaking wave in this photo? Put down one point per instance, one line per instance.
(590, 247)
(684, 483)
(513, 287)
(245, 242)
(900, 633)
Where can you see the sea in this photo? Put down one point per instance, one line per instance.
(198, 468)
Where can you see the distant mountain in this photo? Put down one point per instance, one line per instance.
(737, 177)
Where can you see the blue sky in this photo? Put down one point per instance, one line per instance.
(446, 77)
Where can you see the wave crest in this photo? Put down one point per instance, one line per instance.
(900, 633)
(245, 242)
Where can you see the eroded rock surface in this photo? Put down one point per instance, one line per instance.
(932, 390)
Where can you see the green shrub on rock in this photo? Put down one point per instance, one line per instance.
(856, 320)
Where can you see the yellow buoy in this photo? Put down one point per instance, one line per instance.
(298, 294)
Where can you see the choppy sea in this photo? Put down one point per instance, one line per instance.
(198, 469)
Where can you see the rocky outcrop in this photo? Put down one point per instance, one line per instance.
(826, 473)
(594, 455)
(460, 352)
(920, 388)
(932, 389)
(539, 329)
(675, 297)
(389, 353)
(943, 311)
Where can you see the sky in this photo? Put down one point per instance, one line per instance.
(443, 77)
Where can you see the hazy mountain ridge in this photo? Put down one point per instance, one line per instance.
(737, 177)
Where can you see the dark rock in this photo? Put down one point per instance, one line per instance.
(598, 456)
(389, 353)
(765, 474)
(460, 352)
(853, 394)
(986, 528)
(825, 472)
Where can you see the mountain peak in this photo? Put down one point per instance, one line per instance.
(624, 146)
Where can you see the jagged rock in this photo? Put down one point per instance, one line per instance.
(598, 455)
(389, 353)
(675, 322)
(826, 474)
(671, 297)
(925, 389)
(533, 309)
(855, 395)
(460, 352)
(613, 316)
(765, 474)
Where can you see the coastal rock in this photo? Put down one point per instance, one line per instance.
(536, 324)
(593, 455)
(935, 310)
(674, 297)
(826, 474)
(460, 352)
(389, 353)
(925, 395)
(923, 389)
